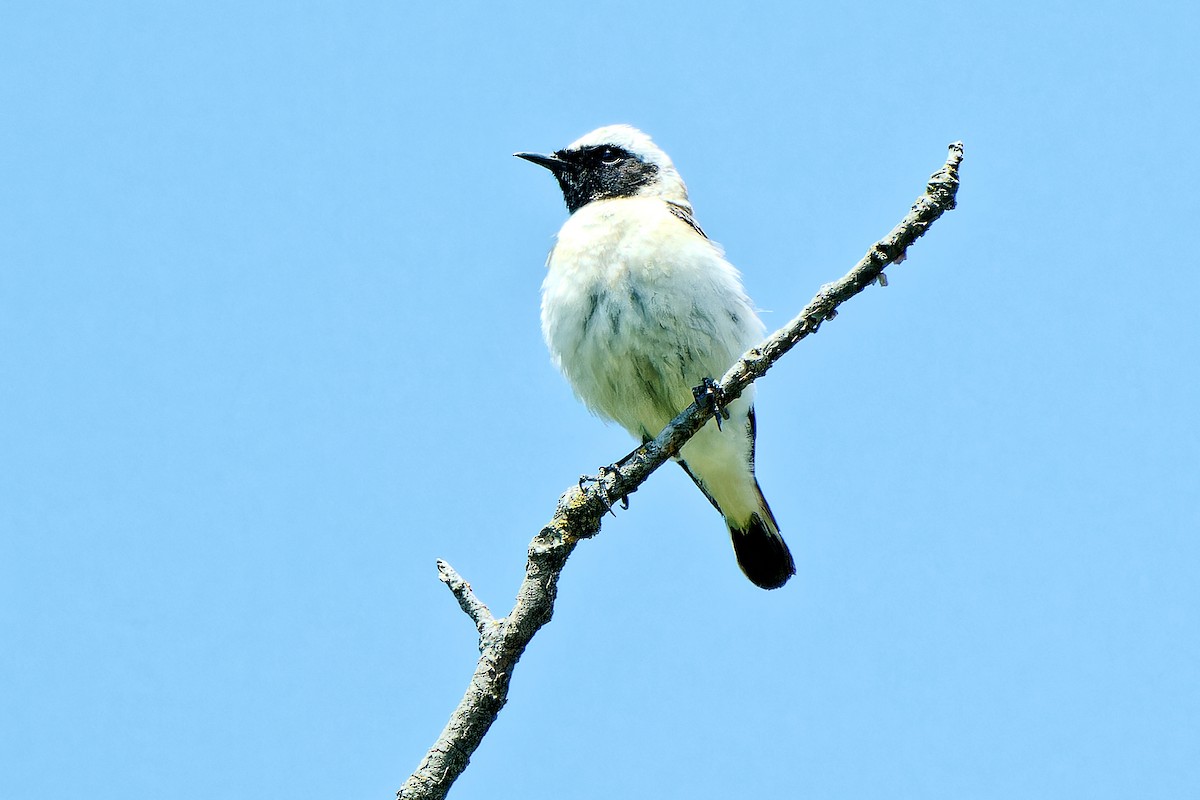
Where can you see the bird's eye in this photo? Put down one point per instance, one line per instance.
(610, 155)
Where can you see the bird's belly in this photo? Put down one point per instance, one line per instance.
(637, 309)
(633, 346)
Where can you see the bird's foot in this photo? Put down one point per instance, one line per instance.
(600, 479)
(711, 394)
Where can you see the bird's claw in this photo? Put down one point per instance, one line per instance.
(602, 484)
(712, 395)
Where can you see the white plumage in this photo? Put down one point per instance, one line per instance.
(639, 307)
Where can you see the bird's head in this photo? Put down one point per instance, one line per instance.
(613, 161)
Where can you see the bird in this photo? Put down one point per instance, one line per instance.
(640, 307)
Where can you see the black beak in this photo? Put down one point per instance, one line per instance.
(551, 162)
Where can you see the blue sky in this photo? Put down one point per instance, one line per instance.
(269, 344)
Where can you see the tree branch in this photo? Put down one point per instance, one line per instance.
(474, 608)
(580, 510)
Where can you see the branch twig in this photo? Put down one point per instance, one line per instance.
(474, 608)
(580, 510)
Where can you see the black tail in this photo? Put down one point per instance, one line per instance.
(762, 554)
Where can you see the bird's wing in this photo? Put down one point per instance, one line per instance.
(684, 213)
(699, 485)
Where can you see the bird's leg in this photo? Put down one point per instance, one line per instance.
(614, 468)
(616, 472)
(712, 395)
(602, 483)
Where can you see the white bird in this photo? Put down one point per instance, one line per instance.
(639, 307)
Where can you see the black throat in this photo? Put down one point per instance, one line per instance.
(601, 172)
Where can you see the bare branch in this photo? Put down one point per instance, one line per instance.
(580, 510)
(476, 610)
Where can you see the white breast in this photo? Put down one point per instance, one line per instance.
(638, 308)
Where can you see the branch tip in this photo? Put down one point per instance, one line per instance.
(472, 605)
